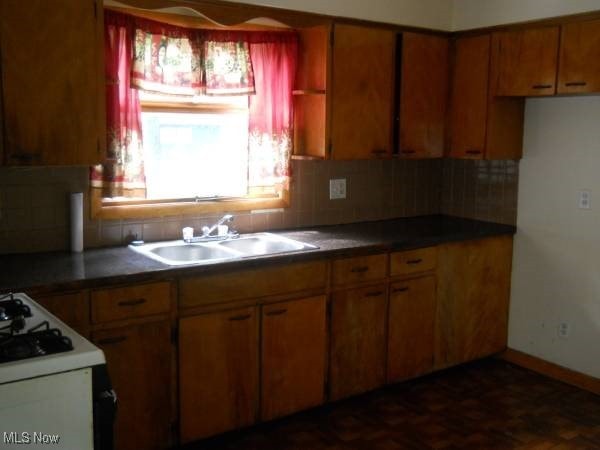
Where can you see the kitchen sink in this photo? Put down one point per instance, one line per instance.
(175, 253)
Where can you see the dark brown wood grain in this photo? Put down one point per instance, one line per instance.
(218, 372)
(138, 358)
(358, 340)
(294, 338)
(423, 95)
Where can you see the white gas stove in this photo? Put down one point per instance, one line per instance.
(53, 382)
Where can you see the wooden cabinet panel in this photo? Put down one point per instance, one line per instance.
(413, 261)
(139, 361)
(362, 100)
(53, 106)
(242, 284)
(358, 340)
(473, 299)
(73, 309)
(579, 60)
(130, 302)
(411, 325)
(482, 126)
(469, 96)
(526, 61)
(423, 95)
(293, 356)
(358, 269)
(218, 372)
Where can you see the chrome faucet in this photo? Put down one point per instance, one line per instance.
(206, 231)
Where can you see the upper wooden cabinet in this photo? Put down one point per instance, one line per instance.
(423, 94)
(579, 59)
(361, 97)
(481, 126)
(51, 82)
(525, 62)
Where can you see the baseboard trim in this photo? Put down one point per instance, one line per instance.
(552, 370)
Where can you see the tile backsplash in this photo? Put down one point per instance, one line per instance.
(34, 212)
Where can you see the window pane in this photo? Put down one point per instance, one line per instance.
(196, 154)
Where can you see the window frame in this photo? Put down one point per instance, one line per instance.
(136, 208)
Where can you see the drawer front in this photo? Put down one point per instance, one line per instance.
(244, 284)
(131, 301)
(413, 261)
(358, 269)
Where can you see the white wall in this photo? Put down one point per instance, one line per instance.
(556, 264)
(435, 14)
(482, 13)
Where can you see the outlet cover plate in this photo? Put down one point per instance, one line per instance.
(585, 199)
(337, 189)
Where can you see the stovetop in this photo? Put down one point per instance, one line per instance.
(34, 343)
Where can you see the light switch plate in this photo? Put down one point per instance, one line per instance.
(585, 199)
(337, 189)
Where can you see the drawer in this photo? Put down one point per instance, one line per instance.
(131, 301)
(358, 269)
(413, 261)
(246, 284)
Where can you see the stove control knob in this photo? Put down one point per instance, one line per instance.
(17, 324)
(3, 315)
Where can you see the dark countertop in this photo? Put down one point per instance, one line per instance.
(61, 271)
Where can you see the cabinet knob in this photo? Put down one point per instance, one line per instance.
(400, 289)
(541, 86)
(412, 262)
(277, 312)
(134, 302)
(112, 340)
(361, 269)
(374, 294)
(473, 152)
(239, 318)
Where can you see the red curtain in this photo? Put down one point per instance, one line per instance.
(122, 174)
(270, 144)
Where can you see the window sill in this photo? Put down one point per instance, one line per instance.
(103, 210)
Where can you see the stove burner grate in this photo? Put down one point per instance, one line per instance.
(36, 342)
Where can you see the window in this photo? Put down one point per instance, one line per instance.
(195, 118)
(196, 150)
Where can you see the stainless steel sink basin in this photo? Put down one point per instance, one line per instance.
(176, 253)
(264, 244)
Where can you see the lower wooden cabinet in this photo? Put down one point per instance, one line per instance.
(72, 309)
(218, 372)
(139, 361)
(358, 340)
(473, 299)
(411, 326)
(293, 356)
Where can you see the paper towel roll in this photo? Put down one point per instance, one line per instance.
(77, 222)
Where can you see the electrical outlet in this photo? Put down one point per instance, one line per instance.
(564, 329)
(337, 189)
(585, 199)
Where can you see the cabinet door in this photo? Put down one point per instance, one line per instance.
(73, 309)
(526, 62)
(411, 325)
(358, 338)
(362, 99)
(293, 356)
(423, 94)
(473, 297)
(469, 96)
(218, 372)
(51, 81)
(579, 60)
(139, 361)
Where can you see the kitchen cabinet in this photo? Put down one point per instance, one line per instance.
(423, 95)
(525, 61)
(358, 340)
(473, 298)
(52, 88)
(139, 359)
(579, 58)
(294, 337)
(481, 125)
(218, 372)
(72, 308)
(411, 327)
(361, 95)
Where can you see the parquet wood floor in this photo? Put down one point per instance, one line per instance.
(489, 404)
